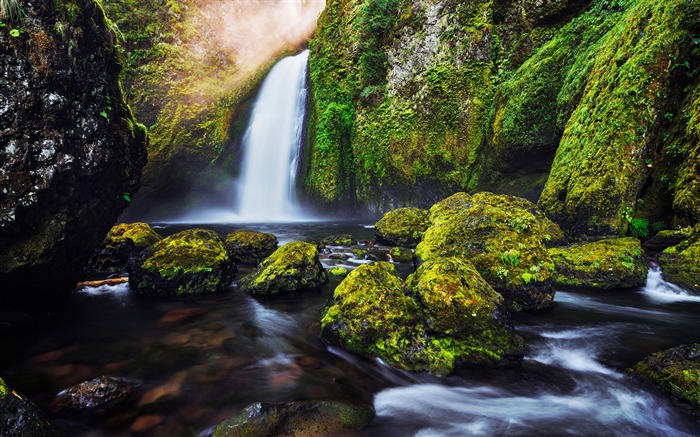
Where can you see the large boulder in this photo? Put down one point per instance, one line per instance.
(402, 227)
(604, 264)
(506, 239)
(123, 242)
(300, 418)
(19, 417)
(189, 262)
(675, 371)
(445, 314)
(681, 263)
(71, 152)
(249, 247)
(292, 267)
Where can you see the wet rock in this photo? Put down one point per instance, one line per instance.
(506, 239)
(123, 242)
(445, 314)
(666, 238)
(19, 417)
(71, 152)
(301, 418)
(190, 262)
(292, 267)
(160, 358)
(603, 264)
(101, 394)
(338, 240)
(146, 423)
(681, 263)
(401, 255)
(402, 227)
(249, 247)
(675, 371)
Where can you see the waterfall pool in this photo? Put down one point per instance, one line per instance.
(197, 361)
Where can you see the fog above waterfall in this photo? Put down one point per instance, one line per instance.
(255, 31)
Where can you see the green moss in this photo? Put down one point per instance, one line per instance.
(402, 226)
(292, 267)
(142, 235)
(338, 271)
(675, 371)
(599, 167)
(189, 262)
(681, 264)
(445, 313)
(249, 247)
(338, 240)
(604, 264)
(190, 251)
(503, 236)
(401, 254)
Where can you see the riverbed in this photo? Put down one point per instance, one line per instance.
(197, 361)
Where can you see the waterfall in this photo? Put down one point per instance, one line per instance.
(271, 145)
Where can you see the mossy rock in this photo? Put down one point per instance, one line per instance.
(681, 264)
(292, 267)
(401, 254)
(667, 238)
(425, 325)
(189, 262)
(338, 271)
(20, 417)
(464, 313)
(603, 264)
(338, 240)
(506, 239)
(249, 247)
(402, 227)
(675, 371)
(123, 241)
(299, 418)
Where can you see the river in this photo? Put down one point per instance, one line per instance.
(197, 361)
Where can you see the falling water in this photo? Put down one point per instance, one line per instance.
(271, 145)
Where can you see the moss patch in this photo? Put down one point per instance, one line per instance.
(249, 247)
(292, 267)
(675, 371)
(506, 239)
(402, 227)
(190, 262)
(445, 314)
(604, 264)
(681, 263)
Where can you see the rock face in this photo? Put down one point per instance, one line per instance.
(444, 315)
(675, 371)
(19, 417)
(506, 239)
(249, 247)
(604, 264)
(123, 242)
(189, 262)
(97, 395)
(402, 227)
(71, 153)
(301, 418)
(547, 100)
(292, 267)
(681, 263)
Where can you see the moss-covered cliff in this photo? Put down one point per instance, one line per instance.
(588, 103)
(191, 77)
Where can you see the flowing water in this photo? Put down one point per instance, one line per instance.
(197, 361)
(265, 191)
